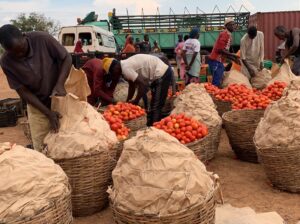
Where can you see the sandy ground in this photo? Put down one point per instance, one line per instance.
(243, 184)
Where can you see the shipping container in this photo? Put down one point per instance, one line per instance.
(267, 21)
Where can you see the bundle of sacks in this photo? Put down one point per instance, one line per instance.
(159, 176)
(195, 102)
(30, 183)
(284, 74)
(262, 78)
(281, 122)
(83, 131)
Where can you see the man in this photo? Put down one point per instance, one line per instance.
(36, 66)
(252, 52)
(102, 85)
(221, 52)
(145, 46)
(141, 71)
(292, 45)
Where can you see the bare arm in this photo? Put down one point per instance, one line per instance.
(142, 86)
(184, 57)
(193, 59)
(31, 99)
(294, 47)
(131, 90)
(59, 88)
(251, 72)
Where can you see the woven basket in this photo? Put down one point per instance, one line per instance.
(201, 213)
(222, 106)
(201, 147)
(59, 212)
(240, 126)
(136, 124)
(214, 139)
(89, 177)
(281, 165)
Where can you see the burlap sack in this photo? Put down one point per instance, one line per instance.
(157, 175)
(261, 79)
(82, 131)
(280, 125)
(29, 183)
(285, 74)
(77, 84)
(235, 77)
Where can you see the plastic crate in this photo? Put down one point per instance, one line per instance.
(18, 103)
(8, 116)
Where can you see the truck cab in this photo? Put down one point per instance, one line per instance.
(93, 38)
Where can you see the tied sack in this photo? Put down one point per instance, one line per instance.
(83, 131)
(157, 175)
(280, 126)
(285, 74)
(30, 182)
(261, 79)
(235, 77)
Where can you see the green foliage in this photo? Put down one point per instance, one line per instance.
(36, 22)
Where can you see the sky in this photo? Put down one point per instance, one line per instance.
(67, 11)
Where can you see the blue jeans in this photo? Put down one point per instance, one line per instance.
(217, 71)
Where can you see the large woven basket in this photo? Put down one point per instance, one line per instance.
(281, 165)
(201, 213)
(89, 177)
(240, 126)
(137, 124)
(222, 106)
(201, 147)
(59, 212)
(214, 139)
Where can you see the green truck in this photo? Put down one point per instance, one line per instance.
(166, 28)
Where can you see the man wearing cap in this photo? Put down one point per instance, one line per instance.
(36, 66)
(142, 71)
(221, 52)
(101, 83)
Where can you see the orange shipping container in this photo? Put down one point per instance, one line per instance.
(267, 21)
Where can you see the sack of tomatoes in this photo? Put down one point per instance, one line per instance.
(184, 128)
(125, 111)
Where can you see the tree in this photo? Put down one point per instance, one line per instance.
(36, 22)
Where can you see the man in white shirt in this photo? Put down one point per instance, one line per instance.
(142, 71)
(252, 52)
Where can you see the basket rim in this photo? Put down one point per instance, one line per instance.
(85, 155)
(209, 195)
(226, 114)
(48, 207)
(198, 140)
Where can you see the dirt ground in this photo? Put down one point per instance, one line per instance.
(243, 184)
